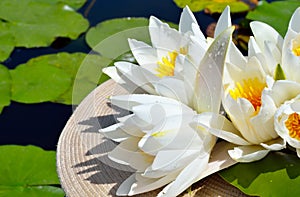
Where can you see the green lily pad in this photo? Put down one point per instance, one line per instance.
(36, 23)
(28, 171)
(110, 38)
(7, 43)
(213, 6)
(38, 83)
(278, 174)
(277, 14)
(76, 4)
(5, 86)
(62, 78)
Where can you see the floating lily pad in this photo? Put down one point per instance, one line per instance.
(5, 86)
(110, 38)
(213, 6)
(7, 43)
(38, 83)
(76, 4)
(28, 171)
(36, 23)
(62, 78)
(277, 14)
(276, 175)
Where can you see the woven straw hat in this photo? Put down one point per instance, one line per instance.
(83, 166)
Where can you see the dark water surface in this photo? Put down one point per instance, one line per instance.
(41, 124)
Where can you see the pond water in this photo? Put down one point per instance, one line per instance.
(41, 124)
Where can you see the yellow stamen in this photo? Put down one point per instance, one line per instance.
(293, 125)
(250, 89)
(296, 51)
(167, 65)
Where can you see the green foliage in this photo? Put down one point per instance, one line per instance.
(277, 14)
(34, 83)
(5, 86)
(31, 23)
(275, 175)
(62, 78)
(110, 38)
(213, 6)
(28, 171)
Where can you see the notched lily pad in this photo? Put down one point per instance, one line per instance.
(5, 86)
(213, 6)
(28, 171)
(278, 174)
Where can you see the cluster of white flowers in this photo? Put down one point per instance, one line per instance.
(185, 78)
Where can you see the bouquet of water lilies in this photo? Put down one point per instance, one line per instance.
(190, 94)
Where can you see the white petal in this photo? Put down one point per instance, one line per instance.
(275, 145)
(263, 122)
(171, 88)
(114, 132)
(144, 54)
(142, 184)
(122, 153)
(284, 90)
(198, 35)
(186, 20)
(131, 100)
(208, 84)
(298, 152)
(263, 32)
(120, 78)
(186, 178)
(124, 188)
(294, 22)
(141, 77)
(224, 22)
(248, 153)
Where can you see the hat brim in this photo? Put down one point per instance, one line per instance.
(82, 163)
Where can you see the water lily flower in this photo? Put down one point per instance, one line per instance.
(249, 102)
(274, 50)
(162, 141)
(287, 122)
(165, 58)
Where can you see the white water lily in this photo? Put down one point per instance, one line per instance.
(164, 143)
(173, 54)
(250, 104)
(274, 50)
(287, 122)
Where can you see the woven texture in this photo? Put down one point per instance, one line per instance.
(82, 163)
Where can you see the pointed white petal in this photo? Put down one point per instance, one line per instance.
(263, 32)
(124, 188)
(172, 88)
(143, 184)
(224, 21)
(294, 22)
(198, 35)
(119, 78)
(186, 20)
(284, 90)
(208, 84)
(114, 132)
(248, 153)
(144, 54)
(131, 100)
(187, 177)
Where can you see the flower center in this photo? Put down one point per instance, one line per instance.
(249, 89)
(167, 65)
(296, 51)
(293, 125)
